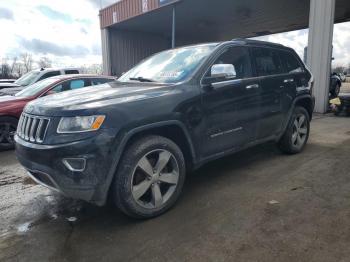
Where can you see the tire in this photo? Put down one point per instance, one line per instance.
(297, 133)
(8, 126)
(335, 92)
(131, 180)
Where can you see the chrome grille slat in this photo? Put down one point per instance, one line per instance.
(19, 125)
(32, 128)
(27, 127)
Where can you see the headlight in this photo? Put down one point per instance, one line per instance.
(80, 124)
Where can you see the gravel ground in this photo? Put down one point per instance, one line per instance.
(257, 205)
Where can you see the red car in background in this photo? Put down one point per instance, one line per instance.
(11, 107)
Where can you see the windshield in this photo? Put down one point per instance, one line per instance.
(169, 66)
(27, 79)
(36, 88)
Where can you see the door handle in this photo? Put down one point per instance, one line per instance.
(252, 86)
(289, 80)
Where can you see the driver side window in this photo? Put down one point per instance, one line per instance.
(237, 57)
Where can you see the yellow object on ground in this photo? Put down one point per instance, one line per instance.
(335, 101)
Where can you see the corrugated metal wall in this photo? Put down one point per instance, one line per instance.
(127, 48)
(125, 9)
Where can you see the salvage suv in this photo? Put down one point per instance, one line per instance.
(134, 139)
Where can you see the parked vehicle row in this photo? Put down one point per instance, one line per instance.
(134, 139)
(11, 106)
(35, 76)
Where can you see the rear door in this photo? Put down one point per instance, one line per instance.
(269, 69)
(295, 77)
(231, 107)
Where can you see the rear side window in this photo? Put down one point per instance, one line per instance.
(99, 81)
(267, 61)
(290, 63)
(71, 72)
(49, 74)
(70, 85)
(76, 84)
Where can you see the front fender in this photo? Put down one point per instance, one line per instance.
(118, 148)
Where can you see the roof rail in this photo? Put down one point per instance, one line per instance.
(251, 41)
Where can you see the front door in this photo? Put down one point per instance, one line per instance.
(231, 106)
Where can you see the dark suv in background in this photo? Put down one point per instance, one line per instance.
(137, 137)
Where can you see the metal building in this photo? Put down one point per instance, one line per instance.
(134, 29)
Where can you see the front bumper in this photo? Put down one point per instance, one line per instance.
(46, 165)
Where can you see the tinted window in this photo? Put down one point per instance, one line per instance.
(76, 84)
(267, 61)
(70, 72)
(56, 89)
(69, 85)
(239, 58)
(290, 62)
(50, 74)
(98, 81)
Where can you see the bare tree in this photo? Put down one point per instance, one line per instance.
(339, 69)
(13, 65)
(4, 69)
(44, 62)
(27, 61)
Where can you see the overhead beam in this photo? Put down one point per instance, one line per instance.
(321, 23)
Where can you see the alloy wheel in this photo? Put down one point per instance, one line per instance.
(155, 179)
(7, 133)
(300, 130)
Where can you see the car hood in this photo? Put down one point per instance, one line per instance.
(86, 99)
(10, 91)
(7, 100)
(8, 85)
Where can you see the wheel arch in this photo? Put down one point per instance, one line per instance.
(307, 103)
(172, 129)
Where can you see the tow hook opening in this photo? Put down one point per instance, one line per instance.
(75, 164)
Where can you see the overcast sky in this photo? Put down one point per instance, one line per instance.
(67, 31)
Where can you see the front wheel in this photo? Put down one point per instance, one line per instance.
(150, 177)
(297, 133)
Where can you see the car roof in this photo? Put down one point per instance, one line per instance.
(260, 43)
(49, 69)
(242, 41)
(75, 76)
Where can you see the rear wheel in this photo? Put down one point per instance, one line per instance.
(150, 177)
(335, 92)
(8, 128)
(297, 133)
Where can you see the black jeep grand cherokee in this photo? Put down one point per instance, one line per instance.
(173, 112)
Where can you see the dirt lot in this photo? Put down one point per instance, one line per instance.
(258, 205)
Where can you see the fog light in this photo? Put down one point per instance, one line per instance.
(75, 164)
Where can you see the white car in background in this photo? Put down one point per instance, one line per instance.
(33, 77)
(342, 77)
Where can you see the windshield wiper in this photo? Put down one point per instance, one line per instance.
(141, 79)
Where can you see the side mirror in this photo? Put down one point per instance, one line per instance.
(226, 71)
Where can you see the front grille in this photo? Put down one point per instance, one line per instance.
(32, 128)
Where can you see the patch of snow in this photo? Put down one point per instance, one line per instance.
(24, 227)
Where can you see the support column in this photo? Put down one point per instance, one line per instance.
(321, 23)
(106, 59)
(173, 28)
